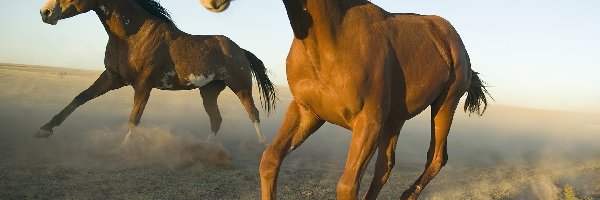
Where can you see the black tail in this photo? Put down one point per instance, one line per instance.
(476, 97)
(265, 86)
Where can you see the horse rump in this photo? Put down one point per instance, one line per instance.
(265, 86)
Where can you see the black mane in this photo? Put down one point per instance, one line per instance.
(154, 8)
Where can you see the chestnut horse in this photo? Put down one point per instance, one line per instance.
(146, 50)
(357, 66)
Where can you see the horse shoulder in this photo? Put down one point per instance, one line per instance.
(115, 57)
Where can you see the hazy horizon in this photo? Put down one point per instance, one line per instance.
(532, 54)
(285, 87)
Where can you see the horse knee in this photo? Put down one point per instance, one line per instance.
(253, 115)
(346, 189)
(441, 159)
(437, 164)
(246, 97)
(269, 163)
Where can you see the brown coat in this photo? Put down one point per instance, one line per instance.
(355, 65)
(146, 50)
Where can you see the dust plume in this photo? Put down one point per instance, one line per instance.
(509, 153)
(154, 146)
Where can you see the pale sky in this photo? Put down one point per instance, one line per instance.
(538, 54)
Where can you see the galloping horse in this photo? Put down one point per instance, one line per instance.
(355, 65)
(146, 50)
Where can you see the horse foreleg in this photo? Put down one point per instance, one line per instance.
(385, 160)
(209, 94)
(365, 136)
(103, 84)
(437, 156)
(142, 93)
(298, 124)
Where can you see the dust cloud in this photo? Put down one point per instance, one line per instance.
(154, 146)
(509, 153)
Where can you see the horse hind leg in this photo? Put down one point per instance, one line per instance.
(245, 97)
(442, 113)
(209, 94)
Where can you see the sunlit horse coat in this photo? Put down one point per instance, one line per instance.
(353, 64)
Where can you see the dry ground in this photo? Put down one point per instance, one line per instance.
(509, 153)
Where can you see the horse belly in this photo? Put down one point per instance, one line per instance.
(420, 94)
(419, 81)
(180, 78)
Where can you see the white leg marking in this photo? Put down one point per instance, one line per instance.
(43, 133)
(261, 137)
(127, 137)
(211, 137)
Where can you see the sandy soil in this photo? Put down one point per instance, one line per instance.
(509, 153)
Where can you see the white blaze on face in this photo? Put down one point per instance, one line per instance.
(200, 80)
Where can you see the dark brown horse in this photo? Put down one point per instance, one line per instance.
(146, 50)
(355, 65)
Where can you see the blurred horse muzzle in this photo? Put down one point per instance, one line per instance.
(50, 12)
(215, 5)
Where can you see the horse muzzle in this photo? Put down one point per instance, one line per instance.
(215, 5)
(50, 13)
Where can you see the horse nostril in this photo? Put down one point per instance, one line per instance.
(46, 12)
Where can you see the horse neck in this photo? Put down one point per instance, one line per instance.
(314, 19)
(124, 18)
(317, 23)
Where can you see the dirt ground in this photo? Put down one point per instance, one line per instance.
(509, 153)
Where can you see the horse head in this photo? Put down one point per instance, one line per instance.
(215, 5)
(55, 10)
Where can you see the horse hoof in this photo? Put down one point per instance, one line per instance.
(43, 133)
(212, 138)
